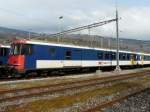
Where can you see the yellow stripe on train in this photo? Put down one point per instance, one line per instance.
(142, 59)
(133, 62)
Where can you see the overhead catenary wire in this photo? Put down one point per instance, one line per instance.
(83, 27)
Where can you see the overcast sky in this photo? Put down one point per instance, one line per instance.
(43, 16)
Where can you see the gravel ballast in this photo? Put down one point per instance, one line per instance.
(138, 103)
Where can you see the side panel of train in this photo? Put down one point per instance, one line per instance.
(4, 54)
(145, 59)
(52, 57)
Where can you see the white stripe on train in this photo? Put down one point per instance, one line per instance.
(41, 64)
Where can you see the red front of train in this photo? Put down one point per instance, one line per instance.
(17, 58)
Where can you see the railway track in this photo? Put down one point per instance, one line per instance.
(104, 105)
(49, 76)
(3, 80)
(13, 95)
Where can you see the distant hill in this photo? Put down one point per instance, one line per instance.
(13, 31)
(8, 34)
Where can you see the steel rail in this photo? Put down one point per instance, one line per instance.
(114, 101)
(71, 82)
(68, 86)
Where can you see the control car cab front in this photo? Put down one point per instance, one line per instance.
(18, 54)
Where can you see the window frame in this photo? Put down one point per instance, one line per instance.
(20, 48)
(3, 52)
(52, 52)
(68, 55)
(100, 55)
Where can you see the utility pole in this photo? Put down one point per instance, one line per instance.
(61, 29)
(101, 42)
(118, 45)
(109, 43)
(89, 33)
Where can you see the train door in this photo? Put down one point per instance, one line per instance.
(112, 57)
(133, 59)
(3, 55)
(72, 58)
(142, 59)
(29, 56)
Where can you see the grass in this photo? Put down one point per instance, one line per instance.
(66, 101)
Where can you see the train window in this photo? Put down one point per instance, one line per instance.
(3, 51)
(113, 56)
(68, 55)
(22, 49)
(128, 56)
(146, 58)
(131, 56)
(16, 49)
(52, 51)
(26, 49)
(107, 56)
(122, 56)
(134, 56)
(100, 56)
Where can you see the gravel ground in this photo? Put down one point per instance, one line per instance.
(19, 84)
(138, 103)
(53, 95)
(76, 107)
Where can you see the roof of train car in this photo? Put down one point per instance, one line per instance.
(72, 46)
(4, 46)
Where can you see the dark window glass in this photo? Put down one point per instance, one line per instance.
(147, 58)
(22, 49)
(52, 51)
(68, 55)
(3, 51)
(122, 56)
(107, 56)
(100, 56)
(26, 49)
(134, 57)
(128, 56)
(113, 56)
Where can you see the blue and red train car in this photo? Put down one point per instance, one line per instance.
(34, 56)
(4, 54)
